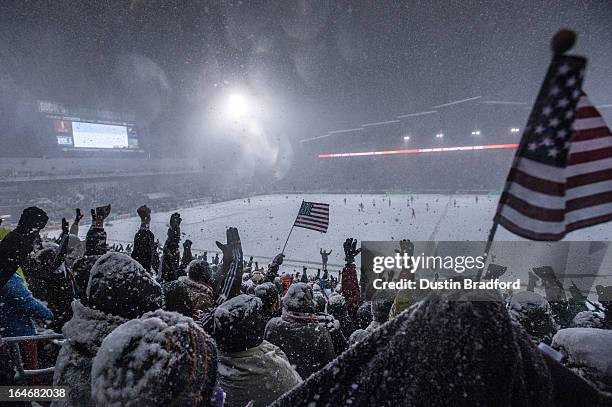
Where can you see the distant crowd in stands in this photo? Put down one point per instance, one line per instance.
(143, 329)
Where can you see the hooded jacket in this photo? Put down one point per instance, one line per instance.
(84, 334)
(260, 374)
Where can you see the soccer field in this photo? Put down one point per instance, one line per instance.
(265, 222)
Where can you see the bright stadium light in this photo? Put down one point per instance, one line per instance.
(236, 106)
(514, 130)
(476, 133)
(406, 138)
(440, 135)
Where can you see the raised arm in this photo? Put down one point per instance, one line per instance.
(171, 253)
(144, 240)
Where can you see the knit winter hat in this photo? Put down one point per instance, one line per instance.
(199, 271)
(364, 315)
(299, 298)
(239, 324)
(119, 285)
(160, 359)
(267, 293)
(381, 305)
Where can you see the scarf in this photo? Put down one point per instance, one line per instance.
(299, 317)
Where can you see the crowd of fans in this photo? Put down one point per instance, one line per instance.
(176, 329)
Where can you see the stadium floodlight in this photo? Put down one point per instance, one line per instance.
(440, 135)
(236, 106)
(406, 138)
(476, 133)
(514, 130)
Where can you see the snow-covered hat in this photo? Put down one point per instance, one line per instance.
(299, 298)
(381, 305)
(257, 276)
(534, 313)
(239, 323)
(267, 293)
(199, 270)
(160, 359)
(119, 285)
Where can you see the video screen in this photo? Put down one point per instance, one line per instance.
(95, 135)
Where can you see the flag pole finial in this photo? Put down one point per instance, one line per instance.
(562, 41)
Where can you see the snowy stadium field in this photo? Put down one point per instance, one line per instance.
(265, 222)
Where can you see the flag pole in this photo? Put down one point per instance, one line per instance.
(291, 230)
(286, 241)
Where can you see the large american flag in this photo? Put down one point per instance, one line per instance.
(314, 216)
(561, 177)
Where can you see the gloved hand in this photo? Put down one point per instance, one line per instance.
(232, 265)
(99, 214)
(78, 215)
(278, 259)
(350, 250)
(145, 214)
(187, 244)
(175, 221)
(406, 246)
(232, 251)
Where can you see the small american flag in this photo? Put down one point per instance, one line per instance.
(561, 177)
(314, 216)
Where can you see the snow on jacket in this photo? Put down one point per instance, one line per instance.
(84, 334)
(260, 374)
(18, 307)
(144, 247)
(308, 346)
(588, 352)
(160, 359)
(200, 294)
(438, 353)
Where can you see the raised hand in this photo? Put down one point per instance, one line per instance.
(78, 215)
(350, 250)
(144, 212)
(187, 244)
(232, 265)
(278, 259)
(175, 220)
(99, 214)
(232, 251)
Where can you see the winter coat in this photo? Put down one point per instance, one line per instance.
(18, 307)
(95, 246)
(439, 353)
(350, 289)
(81, 270)
(84, 334)
(200, 294)
(308, 345)
(50, 282)
(171, 256)
(144, 248)
(260, 374)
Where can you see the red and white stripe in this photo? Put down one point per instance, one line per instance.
(544, 202)
(318, 219)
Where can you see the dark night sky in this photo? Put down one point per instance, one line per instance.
(324, 65)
